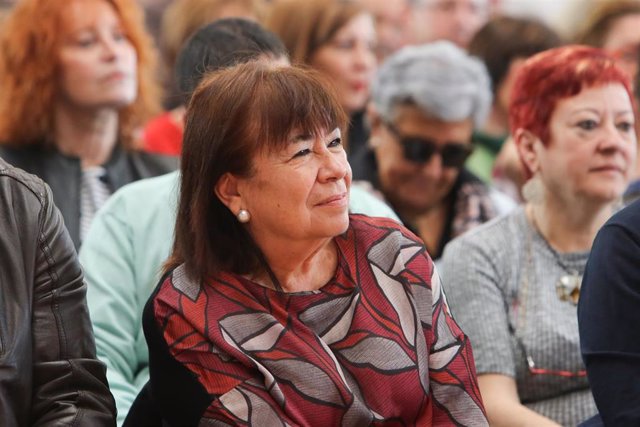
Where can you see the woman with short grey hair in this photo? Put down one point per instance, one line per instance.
(426, 100)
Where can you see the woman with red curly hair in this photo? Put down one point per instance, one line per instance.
(76, 79)
(513, 284)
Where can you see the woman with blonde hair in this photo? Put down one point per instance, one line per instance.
(338, 39)
(77, 84)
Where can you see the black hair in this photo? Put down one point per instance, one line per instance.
(221, 44)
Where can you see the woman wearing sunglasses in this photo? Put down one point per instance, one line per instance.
(514, 283)
(426, 101)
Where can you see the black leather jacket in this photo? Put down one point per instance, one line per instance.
(49, 374)
(64, 174)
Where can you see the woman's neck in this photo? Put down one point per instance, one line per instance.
(88, 135)
(299, 270)
(568, 228)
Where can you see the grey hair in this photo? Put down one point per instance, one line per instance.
(439, 78)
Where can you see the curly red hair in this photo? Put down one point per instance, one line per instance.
(555, 74)
(29, 45)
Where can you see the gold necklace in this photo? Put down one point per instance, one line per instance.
(568, 285)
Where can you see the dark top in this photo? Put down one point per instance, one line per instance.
(64, 174)
(49, 373)
(358, 135)
(609, 318)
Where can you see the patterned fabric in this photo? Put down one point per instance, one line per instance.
(94, 192)
(473, 206)
(375, 346)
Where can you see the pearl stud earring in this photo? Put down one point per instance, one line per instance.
(243, 216)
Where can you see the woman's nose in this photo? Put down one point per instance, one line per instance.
(364, 56)
(335, 166)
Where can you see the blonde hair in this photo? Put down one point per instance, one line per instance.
(29, 46)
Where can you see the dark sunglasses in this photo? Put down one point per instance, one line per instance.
(419, 150)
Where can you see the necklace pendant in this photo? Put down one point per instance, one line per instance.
(568, 287)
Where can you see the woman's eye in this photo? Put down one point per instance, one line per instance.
(85, 41)
(302, 153)
(587, 124)
(335, 143)
(119, 35)
(625, 126)
(344, 44)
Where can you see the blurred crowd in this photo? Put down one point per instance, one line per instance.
(145, 157)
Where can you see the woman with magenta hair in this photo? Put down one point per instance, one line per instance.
(513, 284)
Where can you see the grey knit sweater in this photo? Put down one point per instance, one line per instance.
(500, 280)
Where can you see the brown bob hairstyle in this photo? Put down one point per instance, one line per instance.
(555, 74)
(30, 40)
(234, 114)
(306, 25)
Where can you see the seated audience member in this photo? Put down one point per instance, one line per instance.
(608, 318)
(338, 39)
(426, 101)
(503, 44)
(131, 236)
(614, 26)
(76, 82)
(453, 20)
(392, 19)
(49, 374)
(163, 134)
(513, 284)
(277, 306)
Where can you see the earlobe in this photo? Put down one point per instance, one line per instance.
(226, 189)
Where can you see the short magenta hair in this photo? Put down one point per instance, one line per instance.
(555, 74)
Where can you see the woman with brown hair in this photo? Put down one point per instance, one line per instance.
(77, 83)
(338, 39)
(277, 306)
(614, 26)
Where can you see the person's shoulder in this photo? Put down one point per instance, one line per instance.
(380, 226)
(493, 234)
(158, 185)
(18, 178)
(143, 198)
(628, 217)
(364, 199)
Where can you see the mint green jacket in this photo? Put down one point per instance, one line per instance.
(122, 254)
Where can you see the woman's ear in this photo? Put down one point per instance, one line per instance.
(528, 145)
(227, 191)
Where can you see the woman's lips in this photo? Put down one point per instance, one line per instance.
(341, 199)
